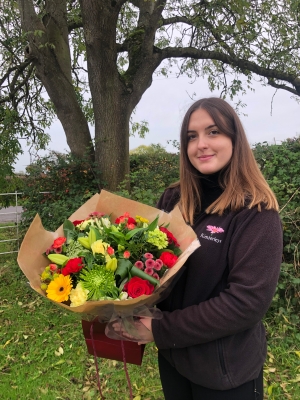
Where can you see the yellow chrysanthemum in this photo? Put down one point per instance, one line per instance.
(99, 247)
(78, 296)
(142, 219)
(60, 288)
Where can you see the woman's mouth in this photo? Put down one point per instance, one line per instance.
(205, 158)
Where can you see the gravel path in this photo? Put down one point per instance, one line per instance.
(10, 214)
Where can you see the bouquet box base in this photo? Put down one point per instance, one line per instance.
(110, 348)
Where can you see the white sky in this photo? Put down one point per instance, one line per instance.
(164, 104)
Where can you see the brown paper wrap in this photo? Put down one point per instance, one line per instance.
(37, 240)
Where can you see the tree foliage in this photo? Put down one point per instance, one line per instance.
(90, 61)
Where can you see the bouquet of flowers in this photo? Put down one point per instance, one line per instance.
(135, 260)
(105, 258)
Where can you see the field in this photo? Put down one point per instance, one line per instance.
(43, 353)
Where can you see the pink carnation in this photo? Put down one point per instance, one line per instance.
(156, 276)
(139, 264)
(150, 263)
(148, 255)
(149, 270)
(158, 265)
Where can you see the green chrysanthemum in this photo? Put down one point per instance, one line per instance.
(73, 249)
(158, 238)
(99, 282)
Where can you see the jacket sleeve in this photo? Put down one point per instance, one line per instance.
(254, 259)
(168, 199)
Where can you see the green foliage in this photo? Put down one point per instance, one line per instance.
(56, 186)
(10, 184)
(152, 169)
(280, 165)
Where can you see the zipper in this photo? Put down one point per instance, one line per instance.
(221, 356)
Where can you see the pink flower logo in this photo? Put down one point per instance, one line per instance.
(214, 229)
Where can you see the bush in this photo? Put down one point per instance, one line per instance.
(56, 185)
(152, 170)
(280, 165)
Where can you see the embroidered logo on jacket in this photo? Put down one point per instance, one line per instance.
(212, 229)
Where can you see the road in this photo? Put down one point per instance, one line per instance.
(10, 214)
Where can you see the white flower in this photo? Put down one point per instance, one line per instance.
(78, 296)
(123, 296)
(106, 222)
(84, 224)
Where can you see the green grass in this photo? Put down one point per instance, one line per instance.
(32, 366)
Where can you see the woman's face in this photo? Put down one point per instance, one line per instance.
(208, 149)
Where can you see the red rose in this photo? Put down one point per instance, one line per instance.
(74, 265)
(169, 259)
(171, 238)
(78, 222)
(58, 242)
(136, 287)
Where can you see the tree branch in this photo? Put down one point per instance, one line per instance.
(20, 68)
(243, 65)
(14, 89)
(284, 87)
(174, 20)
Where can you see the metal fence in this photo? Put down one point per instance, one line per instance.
(12, 216)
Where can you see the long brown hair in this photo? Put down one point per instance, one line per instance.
(242, 181)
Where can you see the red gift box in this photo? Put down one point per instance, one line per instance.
(110, 348)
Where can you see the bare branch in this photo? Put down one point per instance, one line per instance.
(284, 87)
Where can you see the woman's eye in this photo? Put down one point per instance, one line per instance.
(214, 132)
(191, 137)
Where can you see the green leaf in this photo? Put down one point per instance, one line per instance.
(69, 230)
(141, 274)
(123, 270)
(131, 233)
(153, 225)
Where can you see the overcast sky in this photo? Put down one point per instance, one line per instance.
(166, 101)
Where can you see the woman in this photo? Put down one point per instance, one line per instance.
(211, 340)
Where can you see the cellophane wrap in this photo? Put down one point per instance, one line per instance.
(32, 261)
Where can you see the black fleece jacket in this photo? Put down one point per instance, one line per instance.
(211, 330)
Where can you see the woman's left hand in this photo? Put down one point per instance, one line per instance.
(148, 336)
(141, 332)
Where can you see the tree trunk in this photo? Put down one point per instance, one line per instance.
(112, 143)
(111, 101)
(51, 54)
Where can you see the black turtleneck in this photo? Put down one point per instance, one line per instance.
(210, 189)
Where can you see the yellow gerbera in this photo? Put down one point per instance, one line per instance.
(60, 288)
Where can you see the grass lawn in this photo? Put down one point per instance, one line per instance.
(43, 353)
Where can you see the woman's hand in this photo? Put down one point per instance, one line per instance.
(147, 322)
(139, 330)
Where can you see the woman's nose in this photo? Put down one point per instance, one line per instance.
(202, 142)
